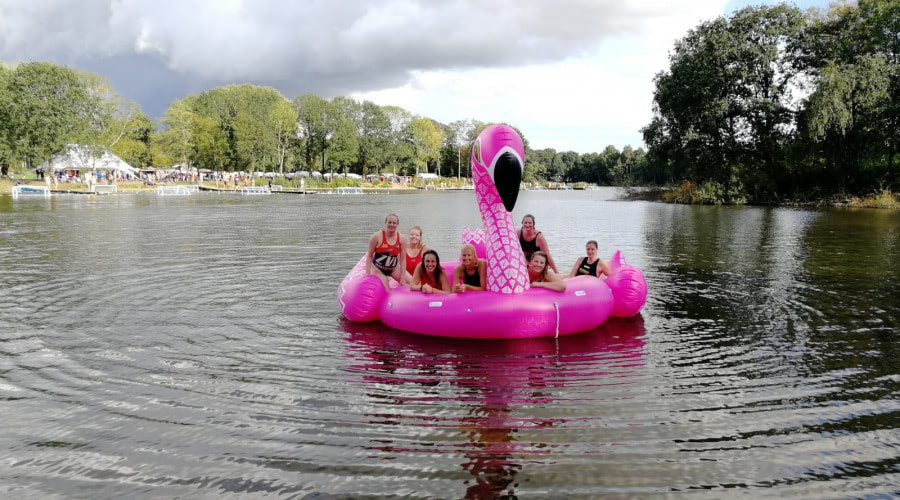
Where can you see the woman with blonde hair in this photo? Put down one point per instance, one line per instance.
(471, 273)
(542, 277)
(414, 251)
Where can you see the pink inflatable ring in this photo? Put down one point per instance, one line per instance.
(508, 309)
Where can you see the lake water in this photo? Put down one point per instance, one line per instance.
(193, 347)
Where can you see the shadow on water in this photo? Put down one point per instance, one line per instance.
(488, 381)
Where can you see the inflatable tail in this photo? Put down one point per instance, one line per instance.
(360, 295)
(628, 287)
(477, 239)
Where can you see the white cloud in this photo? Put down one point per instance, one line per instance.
(572, 74)
(582, 103)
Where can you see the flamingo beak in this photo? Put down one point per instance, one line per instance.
(507, 178)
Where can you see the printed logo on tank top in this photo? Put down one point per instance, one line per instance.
(386, 256)
(385, 261)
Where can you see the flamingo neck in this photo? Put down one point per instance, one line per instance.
(506, 268)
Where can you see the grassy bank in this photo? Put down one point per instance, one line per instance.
(689, 193)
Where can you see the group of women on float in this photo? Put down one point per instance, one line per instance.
(422, 266)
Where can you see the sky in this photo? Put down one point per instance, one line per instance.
(572, 75)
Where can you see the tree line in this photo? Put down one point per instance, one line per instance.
(771, 103)
(774, 103)
(44, 106)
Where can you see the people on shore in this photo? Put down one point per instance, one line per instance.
(385, 249)
(429, 276)
(471, 273)
(532, 240)
(592, 264)
(413, 255)
(541, 276)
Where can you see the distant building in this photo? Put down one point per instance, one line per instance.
(82, 158)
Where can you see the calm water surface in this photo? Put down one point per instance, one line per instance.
(192, 347)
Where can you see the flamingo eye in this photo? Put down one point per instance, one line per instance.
(476, 151)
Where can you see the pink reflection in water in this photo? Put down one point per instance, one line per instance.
(488, 382)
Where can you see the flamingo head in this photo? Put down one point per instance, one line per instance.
(498, 152)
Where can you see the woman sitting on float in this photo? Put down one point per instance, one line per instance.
(512, 304)
(592, 265)
(429, 276)
(415, 250)
(531, 240)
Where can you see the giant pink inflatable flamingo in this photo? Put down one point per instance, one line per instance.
(508, 308)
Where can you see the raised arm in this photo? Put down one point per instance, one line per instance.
(542, 245)
(603, 268)
(370, 253)
(575, 267)
(458, 275)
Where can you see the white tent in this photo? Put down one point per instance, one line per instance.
(80, 157)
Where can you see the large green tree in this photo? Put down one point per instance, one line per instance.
(45, 106)
(852, 118)
(724, 108)
(399, 152)
(313, 126)
(284, 129)
(426, 138)
(244, 114)
(374, 132)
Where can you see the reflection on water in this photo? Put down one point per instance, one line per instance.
(494, 387)
(192, 346)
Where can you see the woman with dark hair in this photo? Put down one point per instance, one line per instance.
(592, 265)
(531, 240)
(540, 276)
(429, 276)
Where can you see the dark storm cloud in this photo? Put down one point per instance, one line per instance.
(154, 52)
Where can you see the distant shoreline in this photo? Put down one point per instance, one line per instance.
(883, 200)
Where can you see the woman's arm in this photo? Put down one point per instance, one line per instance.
(416, 281)
(575, 268)
(603, 268)
(542, 244)
(444, 284)
(458, 284)
(554, 282)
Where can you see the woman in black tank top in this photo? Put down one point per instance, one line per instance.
(532, 240)
(591, 265)
(471, 272)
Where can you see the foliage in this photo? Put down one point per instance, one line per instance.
(247, 127)
(426, 138)
(42, 108)
(771, 103)
(765, 105)
(881, 199)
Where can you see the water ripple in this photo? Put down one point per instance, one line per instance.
(193, 347)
